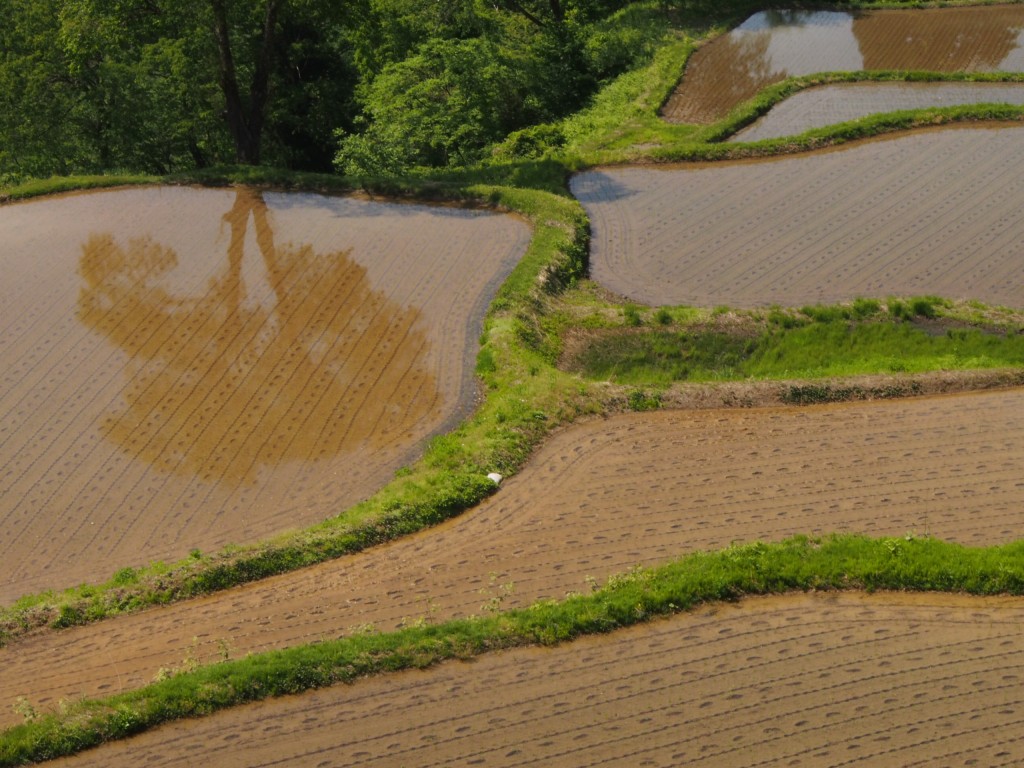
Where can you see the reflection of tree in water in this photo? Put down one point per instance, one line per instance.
(941, 40)
(721, 75)
(221, 385)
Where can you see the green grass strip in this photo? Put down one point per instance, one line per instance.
(809, 350)
(800, 563)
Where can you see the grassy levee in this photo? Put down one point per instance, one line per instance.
(800, 563)
(917, 335)
(525, 397)
(39, 187)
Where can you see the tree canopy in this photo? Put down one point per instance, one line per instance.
(371, 86)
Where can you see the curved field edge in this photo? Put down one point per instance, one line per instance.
(800, 563)
(523, 399)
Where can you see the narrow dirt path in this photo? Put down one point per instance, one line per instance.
(822, 679)
(599, 498)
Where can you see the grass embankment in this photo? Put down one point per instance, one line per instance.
(919, 335)
(525, 396)
(838, 562)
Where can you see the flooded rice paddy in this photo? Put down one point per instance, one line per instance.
(831, 104)
(932, 212)
(187, 368)
(773, 45)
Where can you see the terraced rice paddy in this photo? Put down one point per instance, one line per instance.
(932, 212)
(830, 104)
(773, 45)
(151, 351)
(598, 499)
(812, 679)
(188, 368)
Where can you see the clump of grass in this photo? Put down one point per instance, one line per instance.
(639, 400)
(631, 315)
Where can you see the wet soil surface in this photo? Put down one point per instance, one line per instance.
(830, 104)
(599, 498)
(773, 45)
(188, 368)
(820, 679)
(931, 212)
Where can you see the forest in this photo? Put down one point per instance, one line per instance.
(364, 87)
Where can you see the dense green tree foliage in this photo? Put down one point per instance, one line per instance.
(162, 85)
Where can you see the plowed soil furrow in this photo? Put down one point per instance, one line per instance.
(168, 388)
(599, 498)
(831, 104)
(933, 212)
(773, 45)
(828, 680)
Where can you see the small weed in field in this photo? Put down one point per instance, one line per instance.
(224, 649)
(663, 317)
(23, 708)
(498, 593)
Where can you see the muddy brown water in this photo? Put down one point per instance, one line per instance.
(599, 498)
(820, 679)
(830, 104)
(930, 212)
(187, 368)
(773, 45)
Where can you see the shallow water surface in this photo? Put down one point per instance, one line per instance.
(187, 368)
(830, 104)
(773, 45)
(928, 212)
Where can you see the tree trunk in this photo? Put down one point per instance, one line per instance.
(245, 125)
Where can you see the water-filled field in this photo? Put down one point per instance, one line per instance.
(830, 104)
(187, 368)
(773, 45)
(933, 212)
